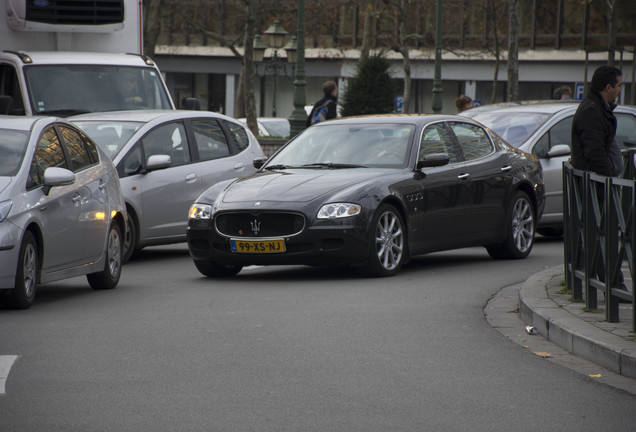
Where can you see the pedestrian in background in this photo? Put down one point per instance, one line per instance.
(594, 146)
(325, 108)
(463, 102)
(563, 93)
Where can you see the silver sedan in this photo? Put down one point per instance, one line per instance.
(544, 129)
(165, 159)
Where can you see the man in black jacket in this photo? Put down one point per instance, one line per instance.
(594, 146)
(327, 103)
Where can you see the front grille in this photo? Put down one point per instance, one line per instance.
(78, 12)
(259, 224)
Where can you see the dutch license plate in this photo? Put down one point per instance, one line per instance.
(258, 246)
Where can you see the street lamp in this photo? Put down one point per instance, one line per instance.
(275, 35)
(437, 80)
(298, 118)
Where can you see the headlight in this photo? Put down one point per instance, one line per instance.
(5, 208)
(338, 210)
(200, 211)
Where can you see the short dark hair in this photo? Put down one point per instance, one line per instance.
(328, 87)
(462, 101)
(605, 75)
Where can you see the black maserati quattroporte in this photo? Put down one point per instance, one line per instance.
(371, 192)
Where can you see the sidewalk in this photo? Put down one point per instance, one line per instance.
(566, 324)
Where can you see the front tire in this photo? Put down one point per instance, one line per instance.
(26, 278)
(109, 278)
(210, 269)
(520, 230)
(130, 239)
(387, 251)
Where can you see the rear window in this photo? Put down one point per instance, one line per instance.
(515, 127)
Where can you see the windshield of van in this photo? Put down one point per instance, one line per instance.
(65, 90)
(12, 147)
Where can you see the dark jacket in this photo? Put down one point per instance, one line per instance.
(332, 110)
(594, 146)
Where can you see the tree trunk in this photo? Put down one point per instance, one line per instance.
(513, 50)
(152, 24)
(248, 66)
(611, 32)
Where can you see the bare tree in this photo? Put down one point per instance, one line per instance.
(513, 50)
(154, 11)
(611, 30)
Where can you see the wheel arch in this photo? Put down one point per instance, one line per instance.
(529, 190)
(36, 231)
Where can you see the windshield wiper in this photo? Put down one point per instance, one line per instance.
(331, 165)
(276, 167)
(62, 112)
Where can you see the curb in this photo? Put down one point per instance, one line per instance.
(571, 333)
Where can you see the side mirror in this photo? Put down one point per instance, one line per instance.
(433, 160)
(158, 161)
(54, 176)
(259, 162)
(559, 150)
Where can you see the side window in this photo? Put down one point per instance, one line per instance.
(10, 86)
(91, 147)
(131, 163)
(210, 139)
(437, 139)
(169, 139)
(472, 139)
(47, 154)
(560, 133)
(239, 134)
(79, 157)
(626, 129)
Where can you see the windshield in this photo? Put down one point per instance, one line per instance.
(385, 145)
(514, 127)
(110, 136)
(65, 90)
(13, 145)
(276, 128)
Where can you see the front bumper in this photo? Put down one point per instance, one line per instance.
(328, 243)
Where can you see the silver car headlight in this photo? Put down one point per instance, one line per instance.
(5, 208)
(338, 210)
(200, 211)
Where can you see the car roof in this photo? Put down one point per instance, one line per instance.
(528, 106)
(419, 119)
(24, 123)
(146, 116)
(69, 57)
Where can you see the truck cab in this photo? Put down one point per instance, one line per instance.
(62, 59)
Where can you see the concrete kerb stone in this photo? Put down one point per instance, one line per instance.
(569, 332)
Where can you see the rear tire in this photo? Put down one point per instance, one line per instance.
(211, 269)
(26, 277)
(109, 278)
(520, 230)
(387, 249)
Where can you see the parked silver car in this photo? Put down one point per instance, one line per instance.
(62, 213)
(544, 129)
(165, 159)
(271, 126)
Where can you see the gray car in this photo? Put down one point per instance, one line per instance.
(165, 159)
(62, 213)
(544, 129)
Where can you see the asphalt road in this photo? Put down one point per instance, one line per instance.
(291, 349)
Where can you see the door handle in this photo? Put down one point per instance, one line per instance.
(77, 198)
(506, 168)
(238, 165)
(463, 176)
(190, 177)
(102, 185)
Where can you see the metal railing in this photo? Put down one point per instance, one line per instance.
(599, 227)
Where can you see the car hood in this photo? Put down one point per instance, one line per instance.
(301, 185)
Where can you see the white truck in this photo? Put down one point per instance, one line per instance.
(66, 57)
